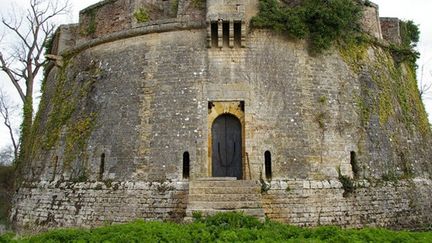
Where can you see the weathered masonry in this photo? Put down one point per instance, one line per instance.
(171, 107)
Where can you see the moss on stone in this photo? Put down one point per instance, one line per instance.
(77, 134)
(354, 52)
(91, 26)
(199, 4)
(396, 86)
(141, 15)
(174, 7)
(64, 120)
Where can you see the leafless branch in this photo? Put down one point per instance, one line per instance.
(5, 109)
(425, 88)
(23, 60)
(31, 30)
(5, 67)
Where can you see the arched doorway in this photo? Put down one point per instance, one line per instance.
(227, 147)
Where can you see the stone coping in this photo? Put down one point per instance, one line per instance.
(151, 27)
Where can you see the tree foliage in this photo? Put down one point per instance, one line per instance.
(320, 22)
(410, 34)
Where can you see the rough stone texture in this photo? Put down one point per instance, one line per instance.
(105, 17)
(62, 204)
(110, 16)
(212, 195)
(123, 112)
(64, 38)
(403, 204)
(371, 21)
(391, 30)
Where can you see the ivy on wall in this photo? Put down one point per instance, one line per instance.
(319, 22)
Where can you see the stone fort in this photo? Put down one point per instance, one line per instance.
(157, 109)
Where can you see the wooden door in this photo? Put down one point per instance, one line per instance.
(227, 147)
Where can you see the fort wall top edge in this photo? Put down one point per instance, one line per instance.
(110, 20)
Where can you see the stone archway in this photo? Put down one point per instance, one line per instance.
(231, 113)
(227, 147)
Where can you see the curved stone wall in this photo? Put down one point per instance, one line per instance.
(118, 116)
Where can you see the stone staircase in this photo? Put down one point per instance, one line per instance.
(224, 194)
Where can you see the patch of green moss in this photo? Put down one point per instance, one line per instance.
(62, 108)
(365, 111)
(347, 183)
(199, 4)
(322, 99)
(396, 95)
(380, 75)
(77, 134)
(60, 118)
(400, 83)
(91, 26)
(141, 15)
(174, 7)
(321, 119)
(414, 105)
(354, 52)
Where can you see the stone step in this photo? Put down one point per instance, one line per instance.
(247, 211)
(212, 195)
(224, 197)
(216, 179)
(224, 205)
(223, 183)
(224, 190)
(255, 212)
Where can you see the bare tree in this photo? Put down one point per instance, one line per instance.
(7, 111)
(23, 61)
(6, 156)
(424, 88)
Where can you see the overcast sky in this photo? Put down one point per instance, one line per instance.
(417, 10)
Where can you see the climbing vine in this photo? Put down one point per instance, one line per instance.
(61, 120)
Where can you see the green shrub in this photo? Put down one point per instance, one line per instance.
(347, 183)
(410, 34)
(6, 189)
(231, 220)
(320, 22)
(141, 15)
(223, 227)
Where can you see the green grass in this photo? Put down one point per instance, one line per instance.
(228, 227)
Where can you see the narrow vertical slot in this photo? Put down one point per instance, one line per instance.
(225, 33)
(237, 34)
(214, 34)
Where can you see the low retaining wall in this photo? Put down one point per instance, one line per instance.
(65, 204)
(398, 204)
